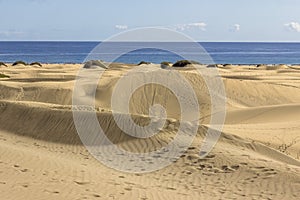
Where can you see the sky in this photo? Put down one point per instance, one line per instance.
(203, 20)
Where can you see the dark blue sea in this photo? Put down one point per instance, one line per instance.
(220, 52)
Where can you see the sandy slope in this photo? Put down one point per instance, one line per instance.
(257, 157)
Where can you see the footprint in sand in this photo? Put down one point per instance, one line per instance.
(192, 157)
(81, 182)
(170, 188)
(262, 172)
(128, 188)
(211, 169)
(226, 168)
(24, 170)
(191, 148)
(2, 105)
(235, 167)
(208, 157)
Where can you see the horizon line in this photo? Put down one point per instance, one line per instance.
(150, 41)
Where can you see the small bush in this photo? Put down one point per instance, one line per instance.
(3, 76)
(260, 65)
(226, 65)
(94, 63)
(166, 63)
(19, 63)
(36, 63)
(212, 66)
(275, 67)
(183, 63)
(144, 63)
(3, 64)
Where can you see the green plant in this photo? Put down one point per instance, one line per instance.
(144, 62)
(3, 64)
(183, 63)
(166, 63)
(260, 65)
(212, 66)
(284, 146)
(3, 76)
(19, 62)
(36, 63)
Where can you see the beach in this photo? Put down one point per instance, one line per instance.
(256, 157)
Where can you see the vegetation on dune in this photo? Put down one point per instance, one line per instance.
(260, 65)
(166, 63)
(275, 67)
(3, 64)
(144, 63)
(3, 76)
(19, 62)
(36, 63)
(285, 146)
(94, 63)
(183, 63)
(212, 66)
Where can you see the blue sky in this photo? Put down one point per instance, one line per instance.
(203, 20)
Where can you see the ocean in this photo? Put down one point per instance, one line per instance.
(220, 52)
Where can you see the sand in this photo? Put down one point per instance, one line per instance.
(257, 156)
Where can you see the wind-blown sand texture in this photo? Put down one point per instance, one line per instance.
(257, 156)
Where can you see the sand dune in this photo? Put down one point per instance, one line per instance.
(257, 156)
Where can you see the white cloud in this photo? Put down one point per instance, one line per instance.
(10, 33)
(293, 26)
(235, 28)
(121, 27)
(197, 25)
